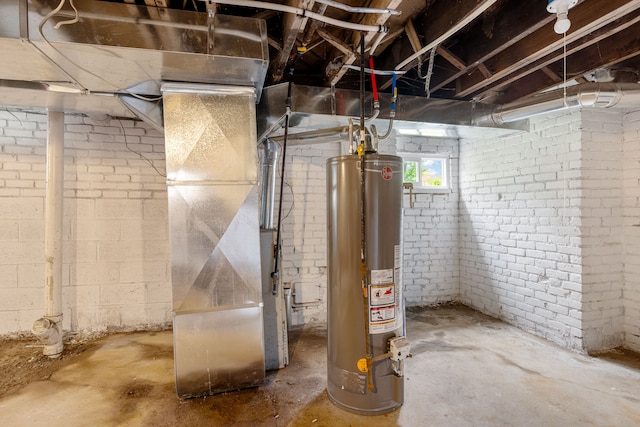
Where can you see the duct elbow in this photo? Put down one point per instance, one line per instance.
(49, 332)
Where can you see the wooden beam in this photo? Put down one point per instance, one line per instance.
(412, 36)
(603, 53)
(265, 14)
(292, 26)
(549, 73)
(334, 41)
(445, 18)
(515, 20)
(369, 19)
(274, 44)
(586, 18)
(449, 56)
(485, 71)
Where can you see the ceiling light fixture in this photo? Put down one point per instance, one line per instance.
(561, 9)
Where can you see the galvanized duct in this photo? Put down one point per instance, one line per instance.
(598, 95)
(215, 241)
(328, 109)
(105, 57)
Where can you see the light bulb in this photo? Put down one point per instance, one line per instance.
(562, 24)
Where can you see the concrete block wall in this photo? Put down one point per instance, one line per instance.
(601, 228)
(631, 228)
(116, 261)
(430, 232)
(520, 257)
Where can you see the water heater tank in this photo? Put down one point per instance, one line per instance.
(364, 320)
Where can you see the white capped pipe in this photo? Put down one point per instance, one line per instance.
(49, 327)
(598, 95)
(305, 13)
(357, 9)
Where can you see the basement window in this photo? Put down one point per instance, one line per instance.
(427, 172)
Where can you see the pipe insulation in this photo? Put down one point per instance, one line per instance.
(49, 328)
(597, 95)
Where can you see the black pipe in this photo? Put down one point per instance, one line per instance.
(275, 274)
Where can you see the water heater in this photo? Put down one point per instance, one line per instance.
(366, 322)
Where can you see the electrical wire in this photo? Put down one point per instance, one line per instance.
(70, 21)
(85, 90)
(427, 78)
(142, 156)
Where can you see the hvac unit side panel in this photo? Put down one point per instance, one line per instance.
(216, 276)
(218, 350)
(215, 246)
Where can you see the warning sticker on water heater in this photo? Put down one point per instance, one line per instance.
(383, 314)
(382, 308)
(382, 295)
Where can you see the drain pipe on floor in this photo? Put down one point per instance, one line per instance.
(48, 329)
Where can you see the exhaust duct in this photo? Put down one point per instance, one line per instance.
(97, 64)
(597, 95)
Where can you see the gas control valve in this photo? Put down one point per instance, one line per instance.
(399, 348)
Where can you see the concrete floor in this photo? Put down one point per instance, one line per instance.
(467, 370)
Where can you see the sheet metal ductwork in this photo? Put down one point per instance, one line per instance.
(116, 51)
(328, 109)
(215, 240)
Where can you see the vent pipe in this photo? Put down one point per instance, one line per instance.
(598, 95)
(269, 161)
(48, 329)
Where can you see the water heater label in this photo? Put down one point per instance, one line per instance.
(381, 277)
(382, 295)
(381, 316)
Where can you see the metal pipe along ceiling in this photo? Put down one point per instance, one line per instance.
(599, 95)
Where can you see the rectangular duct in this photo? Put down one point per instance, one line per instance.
(210, 140)
(113, 48)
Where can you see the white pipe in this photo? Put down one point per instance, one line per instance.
(376, 72)
(354, 9)
(305, 13)
(49, 327)
(376, 42)
(599, 95)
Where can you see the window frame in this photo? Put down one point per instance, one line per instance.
(446, 173)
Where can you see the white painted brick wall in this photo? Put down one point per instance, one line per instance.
(520, 228)
(602, 232)
(430, 232)
(304, 229)
(631, 228)
(116, 262)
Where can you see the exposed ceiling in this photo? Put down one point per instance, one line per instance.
(494, 51)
